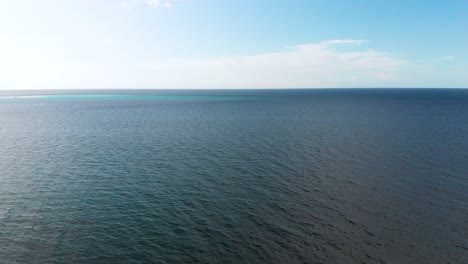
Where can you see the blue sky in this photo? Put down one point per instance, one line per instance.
(48, 44)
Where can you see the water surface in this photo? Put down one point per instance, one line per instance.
(285, 176)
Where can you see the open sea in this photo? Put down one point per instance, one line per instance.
(234, 176)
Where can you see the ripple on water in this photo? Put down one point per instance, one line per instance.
(296, 178)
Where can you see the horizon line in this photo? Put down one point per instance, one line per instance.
(204, 89)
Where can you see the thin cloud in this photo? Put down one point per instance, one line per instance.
(449, 58)
(149, 3)
(313, 65)
(309, 65)
(344, 41)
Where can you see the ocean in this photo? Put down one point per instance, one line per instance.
(234, 176)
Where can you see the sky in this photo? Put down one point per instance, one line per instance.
(208, 44)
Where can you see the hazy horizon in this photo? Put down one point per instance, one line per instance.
(104, 90)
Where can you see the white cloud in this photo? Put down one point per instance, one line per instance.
(154, 3)
(46, 64)
(149, 3)
(310, 65)
(343, 41)
(449, 58)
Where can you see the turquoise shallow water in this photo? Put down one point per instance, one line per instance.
(317, 176)
(109, 97)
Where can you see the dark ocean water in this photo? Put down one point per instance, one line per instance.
(299, 176)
